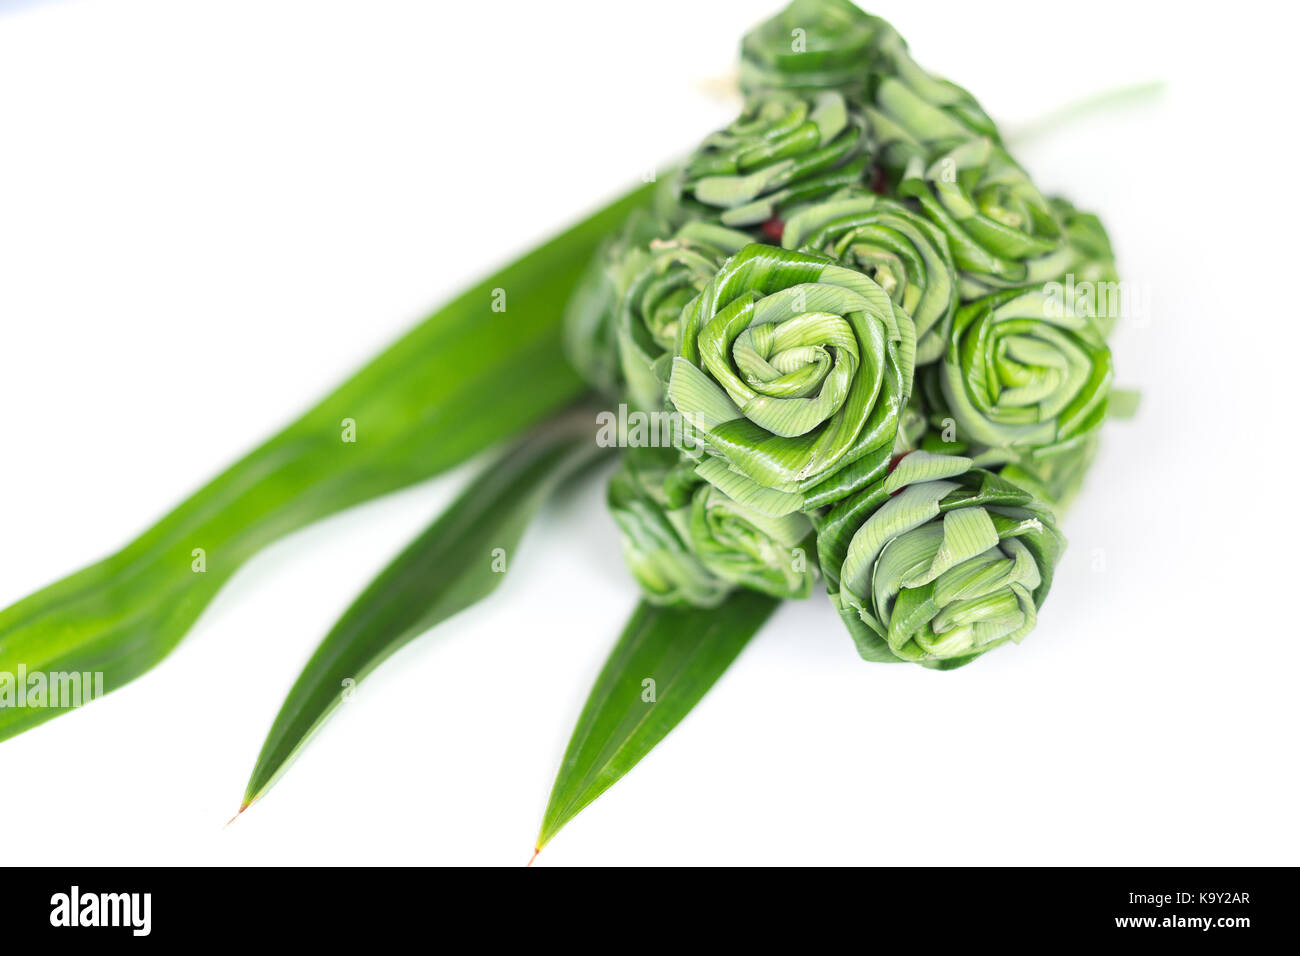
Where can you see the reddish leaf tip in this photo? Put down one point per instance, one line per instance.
(536, 850)
(242, 808)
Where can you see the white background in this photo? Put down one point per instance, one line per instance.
(211, 212)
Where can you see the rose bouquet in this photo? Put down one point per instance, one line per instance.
(861, 336)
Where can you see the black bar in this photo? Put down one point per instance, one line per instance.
(1170, 905)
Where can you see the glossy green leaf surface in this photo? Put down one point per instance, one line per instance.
(457, 561)
(665, 661)
(469, 376)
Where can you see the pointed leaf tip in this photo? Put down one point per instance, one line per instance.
(684, 651)
(440, 573)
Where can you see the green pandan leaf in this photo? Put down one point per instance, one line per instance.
(459, 560)
(469, 376)
(683, 650)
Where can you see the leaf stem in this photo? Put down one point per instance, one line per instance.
(1106, 101)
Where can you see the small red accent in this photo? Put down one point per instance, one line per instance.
(774, 229)
(893, 463)
(878, 181)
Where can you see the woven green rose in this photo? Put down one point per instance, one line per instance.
(903, 252)
(750, 549)
(938, 562)
(659, 281)
(1022, 371)
(792, 370)
(913, 115)
(1053, 474)
(811, 45)
(687, 543)
(832, 45)
(649, 496)
(1055, 479)
(1091, 283)
(590, 316)
(1001, 231)
(784, 149)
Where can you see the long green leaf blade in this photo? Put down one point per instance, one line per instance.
(457, 561)
(683, 651)
(467, 377)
